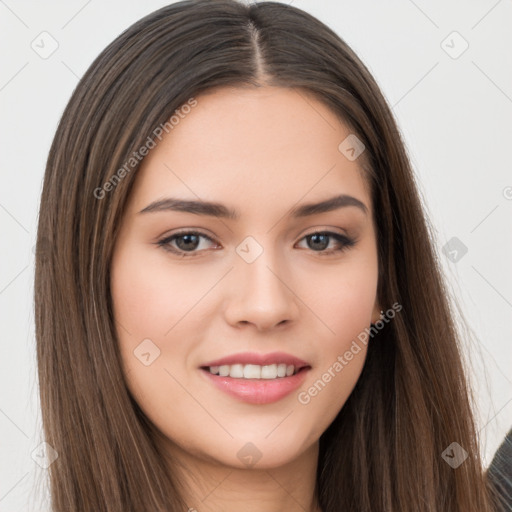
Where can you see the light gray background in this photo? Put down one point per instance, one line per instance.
(455, 114)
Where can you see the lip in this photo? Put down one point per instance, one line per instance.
(258, 391)
(259, 359)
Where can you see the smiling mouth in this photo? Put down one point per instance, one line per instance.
(257, 383)
(254, 371)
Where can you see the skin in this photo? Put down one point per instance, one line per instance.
(261, 151)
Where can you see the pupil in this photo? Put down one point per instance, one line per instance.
(316, 237)
(188, 241)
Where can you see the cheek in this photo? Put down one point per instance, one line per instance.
(343, 296)
(344, 303)
(150, 297)
(341, 358)
(148, 303)
(156, 309)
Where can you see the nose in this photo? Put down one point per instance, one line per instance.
(262, 294)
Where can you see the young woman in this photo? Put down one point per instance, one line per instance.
(238, 303)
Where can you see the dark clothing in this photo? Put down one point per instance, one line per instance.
(500, 473)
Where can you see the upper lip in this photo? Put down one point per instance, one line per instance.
(259, 359)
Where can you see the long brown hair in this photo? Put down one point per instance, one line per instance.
(384, 450)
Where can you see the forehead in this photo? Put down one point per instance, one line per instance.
(253, 148)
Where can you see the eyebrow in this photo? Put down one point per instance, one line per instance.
(219, 210)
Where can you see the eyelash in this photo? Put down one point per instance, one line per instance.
(346, 243)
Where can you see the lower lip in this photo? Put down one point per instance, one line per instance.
(258, 391)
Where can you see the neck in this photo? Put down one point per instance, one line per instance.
(209, 486)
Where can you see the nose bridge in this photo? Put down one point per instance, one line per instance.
(262, 293)
(259, 266)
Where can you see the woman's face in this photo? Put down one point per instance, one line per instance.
(264, 299)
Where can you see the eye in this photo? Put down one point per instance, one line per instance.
(186, 243)
(319, 241)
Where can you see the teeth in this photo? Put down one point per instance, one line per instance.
(236, 371)
(269, 372)
(250, 371)
(253, 371)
